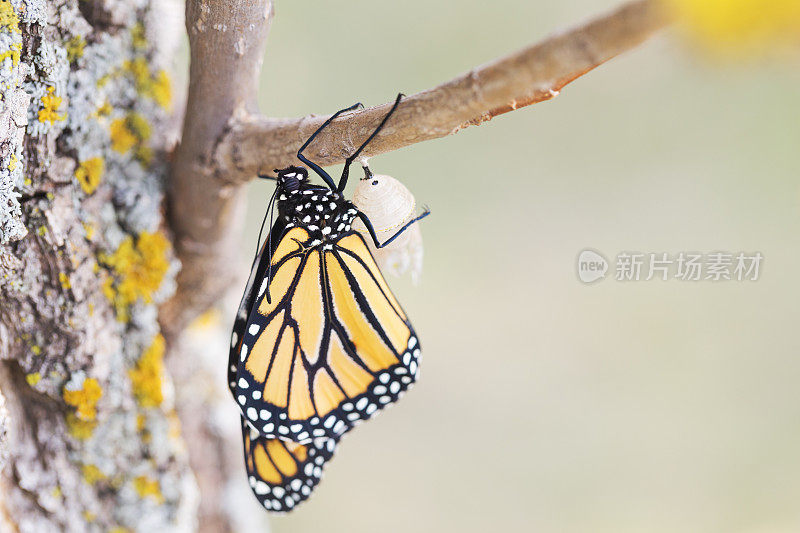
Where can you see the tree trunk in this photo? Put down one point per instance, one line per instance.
(89, 435)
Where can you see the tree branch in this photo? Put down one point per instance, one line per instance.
(226, 39)
(259, 144)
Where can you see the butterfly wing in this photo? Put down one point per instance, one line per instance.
(283, 474)
(332, 346)
(257, 273)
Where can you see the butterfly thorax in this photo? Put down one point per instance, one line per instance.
(323, 213)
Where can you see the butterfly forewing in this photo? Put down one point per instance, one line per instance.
(257, 274)
(329, 348)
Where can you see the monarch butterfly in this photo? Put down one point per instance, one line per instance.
(319, 343)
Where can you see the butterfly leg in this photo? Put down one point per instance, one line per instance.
(315, 167)
(349, 160)
(365, 219)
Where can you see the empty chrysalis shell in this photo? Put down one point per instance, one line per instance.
(389, 205)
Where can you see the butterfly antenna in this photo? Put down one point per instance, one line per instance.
(267, 213)
(269, 242)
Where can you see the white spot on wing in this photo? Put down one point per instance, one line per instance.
(263, 286)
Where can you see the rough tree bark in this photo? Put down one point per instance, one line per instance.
(89, 430)
(90, 437)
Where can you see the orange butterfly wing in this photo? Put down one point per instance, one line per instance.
(330, 348)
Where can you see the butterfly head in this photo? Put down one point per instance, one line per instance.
(291, 178)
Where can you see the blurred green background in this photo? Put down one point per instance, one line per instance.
(545, 404)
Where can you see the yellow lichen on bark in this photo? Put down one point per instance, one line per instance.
(139, 268)
(9, 20)
(148, 374)
(85, 399)
(89, 173)
(50, 106)
(80, 429)
(92, 474)
(132, 132)
(122, 138)
(155, 85)
(138, 37)
(103, 110)
(8, 17)
(148, 487)
(75, 48)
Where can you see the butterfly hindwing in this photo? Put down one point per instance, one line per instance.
(283, 474)
(330, 347)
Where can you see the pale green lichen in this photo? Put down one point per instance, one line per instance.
(138, 38)
(13, 105)
(75, 48)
